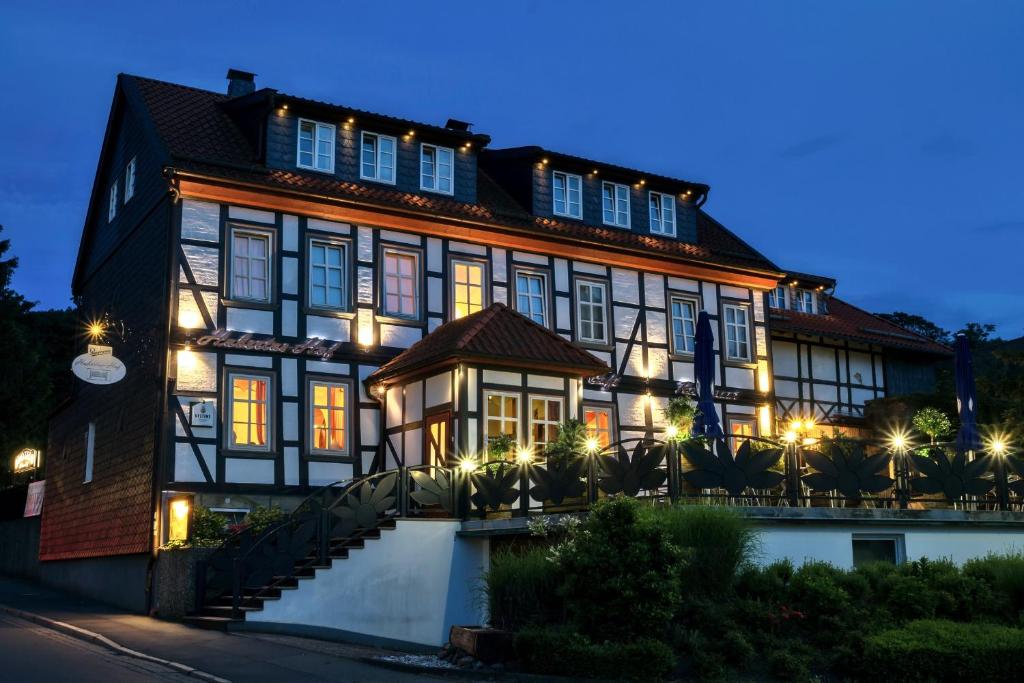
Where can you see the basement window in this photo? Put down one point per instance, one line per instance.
(871, 548)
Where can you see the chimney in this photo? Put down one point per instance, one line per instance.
(240, 83)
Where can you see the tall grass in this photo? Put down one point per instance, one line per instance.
(717, 542)
(521, 588)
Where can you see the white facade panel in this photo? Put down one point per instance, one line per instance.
(328, 226)
(200, 220)
(324, 327)
(252, 215)
(250, 320)
(248, 471)
(400, 336)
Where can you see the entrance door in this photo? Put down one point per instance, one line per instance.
(438, 434)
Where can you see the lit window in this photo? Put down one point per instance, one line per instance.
(737, 333)
(740, 427)
(590, 311)
(502, 415)
(777, 297)
(615, 204)
(250, 265)
(327, 408)
(545, 416)
(467, 288)
(249, 412)
(531, 298)
(327, 266)
(436, 169)
(316, 146)
(378, 158)
(567, 194)
(90, 451)
(663, 214)
(129, 180)
(112, 205)
(598, 421)
(803, 300)
(401, 284)
(684, 325)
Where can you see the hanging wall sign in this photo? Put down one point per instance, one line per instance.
(26, 460)
(34, 499)
(98, 366)
(201, 414)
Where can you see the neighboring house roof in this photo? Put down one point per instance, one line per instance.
(496, 335)
(798, 279)
(202, 138)
(846, 321)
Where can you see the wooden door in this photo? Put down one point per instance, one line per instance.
(437, 433)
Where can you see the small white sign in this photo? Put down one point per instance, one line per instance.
(201, 414)
(34, 499)
(98, 366)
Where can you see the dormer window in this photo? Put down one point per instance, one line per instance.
(112, 204)
(315, 146)
(567, 194)
(129, 180)
(777, 297)
(803, 300)
(378, 158)
(436, 169)
(663, 214)
(615, 204)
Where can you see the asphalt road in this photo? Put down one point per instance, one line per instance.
(32, 653)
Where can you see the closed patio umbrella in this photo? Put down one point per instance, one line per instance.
(967, 438)
(706, 422)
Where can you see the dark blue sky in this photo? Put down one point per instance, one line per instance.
(881, 143)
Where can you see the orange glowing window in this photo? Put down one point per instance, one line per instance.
(468, 288)
(250, 426)
(598, 423)
(328, 417)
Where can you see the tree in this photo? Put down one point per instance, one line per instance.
(918, 325)
(978, 333)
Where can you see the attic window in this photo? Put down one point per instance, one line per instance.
(663, 214)
(315, 146)
(378, 158)
(615, 204)
(567, 194)
(112, 205)
(129, 180)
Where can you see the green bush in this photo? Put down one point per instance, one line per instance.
(522, 589)
(209, 528)
(559, 652)
(261, 518)
(717, 542)
(935, 650)
(1004, 576)
(621, 573)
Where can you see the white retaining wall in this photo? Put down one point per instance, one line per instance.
(409, 586)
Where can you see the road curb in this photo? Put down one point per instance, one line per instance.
(98, 639)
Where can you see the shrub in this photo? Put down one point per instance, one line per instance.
(522, 589)
(768, 583)
(936, 650)
(817, 589)
(717, 542)
(566, 653)
(261, 518)
(1003, 575)
(788, 665)
(208, 527)
(621, 573)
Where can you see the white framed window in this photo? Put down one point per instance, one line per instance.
(437, 169)
(112, 204)
(567, 194)
(663, 214)
(328, 268)
(777, 297)
(90, 451)
(328, 417)
(377, 158)
(803, 300)
(684, 324)
(129, 180)
(545, 417)
(401, 277)
(250, 265)
(315, 149)
(615, 204)
(249, 412)
(591, 311)
(737, 332)
(532, 296)
(600, 423)
(502, 417)
(467, 288)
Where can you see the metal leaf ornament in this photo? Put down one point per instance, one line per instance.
(720, 470)
(363, 505)
(629, 474)
(952, 477)
(495, 489)
(561, 478)
(847, 469)
(433, 490)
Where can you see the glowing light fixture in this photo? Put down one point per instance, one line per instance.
(899, 441)
(592, 445)
(671, 431)
(177, 524)
(189, 319)
(95, 329)
(997, 444)
(468, 465)
(524, 456)
(790, 437)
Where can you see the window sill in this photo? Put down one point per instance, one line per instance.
(397, 320)
(245, 303)
(343, 458)
(330, 312)
(595, 346)
(390, 183)
(250, 455)
(741, 363)
(438, 192)
(315, 170)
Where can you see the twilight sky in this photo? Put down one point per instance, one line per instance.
(881, 143)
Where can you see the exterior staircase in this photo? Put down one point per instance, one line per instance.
(217, 614)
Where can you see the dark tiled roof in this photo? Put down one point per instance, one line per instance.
(805, 279)
(498, 335)
(846, 321)
(202, 138)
